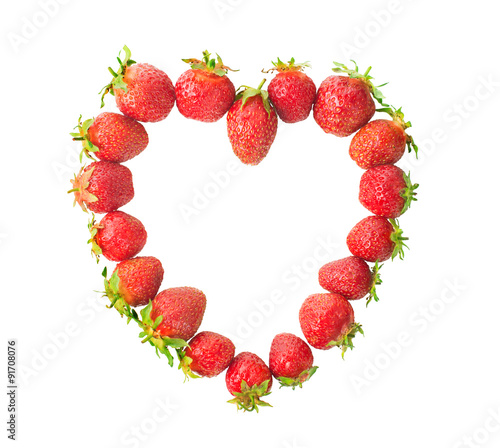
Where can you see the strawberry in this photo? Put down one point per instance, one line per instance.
(386, 190)
(327, 320)
(142, 91)
(208, 354)
(134, 282)
(204, 92)
(382, 142)
(102, 187)
(291, 91)
(118, 236)
(248, 379)
(182, 310)
(376, 238)
(291, 360)
(251, 125)
(350, 277)
(111, 137)
(344, 103)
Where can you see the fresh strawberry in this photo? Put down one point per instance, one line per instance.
(344, 103)
(251, 125)
(350, 277)
(207, 355)
(118, 236)
(142, 91)
(204, 92)
(134, 282)
(327, 320)
(291, 360)
(111, 137)
(102, 187)
(386, 190)
(291, 91)
(376, 238)
(248, 379)
(182, 309)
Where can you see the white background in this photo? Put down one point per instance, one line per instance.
(426, 372)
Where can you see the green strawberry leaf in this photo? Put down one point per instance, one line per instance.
(345, 341)
(298, 381)
(249, 397)
(376, 281)
(398, 239)
(408, 194)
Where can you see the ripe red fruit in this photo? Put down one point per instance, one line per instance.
(182, 309)
(251, 125)
(102, 187)
(376, 238)
(350, 277)
(291, 360)
(111, 137)
(118, 236)
(386, 190)
(204, 92)
(207, 355)
(327, 320)
(291, 91)
(142, 91)
(248, 379)
(135, 282)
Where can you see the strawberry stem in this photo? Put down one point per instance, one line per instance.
(399, 240)
(249, 397)
(408, 194)
(376, 281)
(398, 116)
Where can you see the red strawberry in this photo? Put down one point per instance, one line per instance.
(376, 238)
(344, 103)
(327, 320)
(103, 187)
(111, 137)
(386, 191)
(182, 310)
(118, 236)
(207, 355)
(251, 125)
(142, 91)
(204, 92)
(248, 379)
(291, 360)
(382, 142)
(350, 277)
(291, 91)
(134, 282)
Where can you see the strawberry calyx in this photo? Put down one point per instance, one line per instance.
(93, 227)
(399, 240)
(297, 381)
(80, 184)
(246, 92)
(345, 340)
(83, 136)
(290, 66)
(365, 77)
(118, 82)
(112, 291)
(408, 194)
(184, 365)
(249, 399)
(372, 294)
(209, 65)
(399, 117)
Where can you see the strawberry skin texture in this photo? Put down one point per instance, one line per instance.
(210, 353)
(118, 137)
(343, 105)
(370, 239)
(204, 96)
(325, 318)
(249, 367)
(251, 130)
(380, 142)
(140, 279)
(350, 277)
(380, 190)
(150, 93)
(120, 236)
(182, 309)
(292, 94)
(289, 356)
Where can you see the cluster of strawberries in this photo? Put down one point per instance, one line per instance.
(170, 319)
